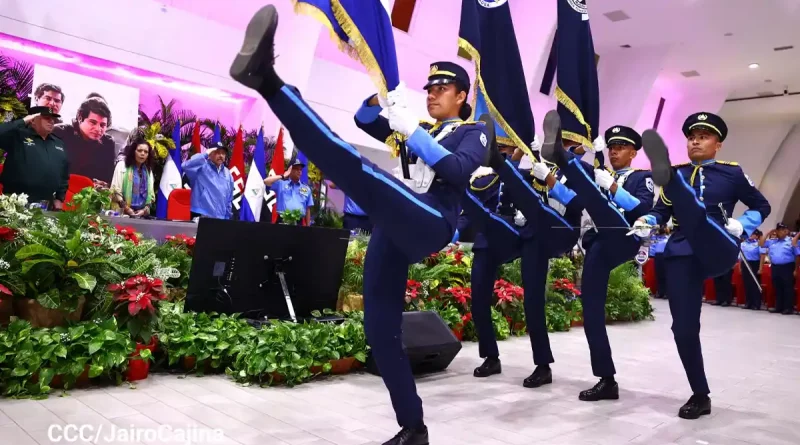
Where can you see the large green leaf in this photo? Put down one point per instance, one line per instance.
(74, 243)
(50, 299)
(85, 281)
(37, 249)
(95, 346)
(28, 265)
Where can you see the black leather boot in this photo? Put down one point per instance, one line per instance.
(606, 389)
(253, 66)
(490, 366)
(698, 405)
(410, 436)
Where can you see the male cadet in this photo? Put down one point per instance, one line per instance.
(412, 218)
(36, 163)
(613, 200)
(781, 251)
(705, 243)
(547, 227)
(291, 193)
(751, 250)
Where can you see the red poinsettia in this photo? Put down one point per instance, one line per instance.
(182, 241)
(458, 257)
(7, 233)
(508, 292)
(138, 293)
(466, 318)
(459, 294)
(412, 289)
(565, 285)
(129, 233)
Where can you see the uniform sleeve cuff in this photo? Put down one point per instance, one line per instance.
(424, 146)
(562, 194)
(762, 250)
(367, 114)
(650, 219)
(750, 220)
(625, 200)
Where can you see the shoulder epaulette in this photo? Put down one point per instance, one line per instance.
(480, 189)
(682, 165)
(735, 164)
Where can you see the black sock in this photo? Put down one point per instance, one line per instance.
(609, 379)
(544, 366)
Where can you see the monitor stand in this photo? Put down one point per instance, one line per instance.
(277, 267)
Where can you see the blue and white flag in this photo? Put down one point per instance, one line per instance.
(171, 176)
(254, 189)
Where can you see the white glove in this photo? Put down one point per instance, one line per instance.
(734, 227)
(599, 145)
(603, 179)
(383, 101)
(519, 219)
(640, 229)
(396, 96)
(525, 163)
(540, 171)
(402, 120)
(536, 146)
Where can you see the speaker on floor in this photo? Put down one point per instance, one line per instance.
(430, 344)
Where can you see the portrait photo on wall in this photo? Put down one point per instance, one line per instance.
(92, 111)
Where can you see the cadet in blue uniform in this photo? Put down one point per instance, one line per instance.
(751, 250)
(508, 234)
(778, 246)
(612, 200)
(657, 244)
(408, 225)
(702, 245)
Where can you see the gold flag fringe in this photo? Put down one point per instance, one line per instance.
(573, 108)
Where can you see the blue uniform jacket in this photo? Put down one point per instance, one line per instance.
(780, 251)
(212, 187)
(634, 199)
(714, 182)
(453, 158)
(751, 250)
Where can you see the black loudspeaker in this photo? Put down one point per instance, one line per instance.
(428, 341)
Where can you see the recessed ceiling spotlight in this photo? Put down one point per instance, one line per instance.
(626, 46)
(728, 34)
(768, 81)
(754, 66)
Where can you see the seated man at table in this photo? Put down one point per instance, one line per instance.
(212, 183)
(291, 194)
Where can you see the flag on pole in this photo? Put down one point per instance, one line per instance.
(196, 145)
(278, 168)
(302, 158)
(217, 138)
(236, 166)
(171, 176)
(487, 35)
(253, 197)
(577, 89)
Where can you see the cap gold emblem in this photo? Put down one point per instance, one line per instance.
(702, 117)
(615, 130)
(434, 69)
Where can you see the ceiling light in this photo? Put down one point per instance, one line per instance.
(768, 81)
(626, 46)
(728, 34)
(692, 73)
(754, 66)
(783, 48)
(617, 16)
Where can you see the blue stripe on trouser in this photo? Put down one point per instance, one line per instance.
(711, 244)
(528, 200)
(597, 204)
(414, 222)
(685, 276)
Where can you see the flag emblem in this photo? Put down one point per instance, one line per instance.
(492, 3)
(579, 6)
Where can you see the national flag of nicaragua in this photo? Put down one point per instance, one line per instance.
(171, 177)
(253, 197)
(363, 29)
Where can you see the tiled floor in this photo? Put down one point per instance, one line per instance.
(752, 359)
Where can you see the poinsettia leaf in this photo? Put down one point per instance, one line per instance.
(85, 280)
(37, 249)
(4, 290)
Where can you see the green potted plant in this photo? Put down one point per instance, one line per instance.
(291, 217)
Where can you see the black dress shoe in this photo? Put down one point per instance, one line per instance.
(410, 436)
(253, 65)
(658, 154)
(698, 405)
(490, 366)
(725, 304)
(541, 376)
(494, 158)
(774, 311)
(788, 312)
(553, 147)
(605, 389)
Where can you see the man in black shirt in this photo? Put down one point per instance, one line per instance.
(91, 152)
(36, 163)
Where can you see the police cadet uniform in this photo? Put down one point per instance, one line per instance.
(703, 243)
(292, 195)
(33, 166)
(606, 246)
(657, 244)
(408, 225)
(781, 254)
(752, 254)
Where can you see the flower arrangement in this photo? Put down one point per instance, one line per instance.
(128, 233)
(135, 298)
(182, 242)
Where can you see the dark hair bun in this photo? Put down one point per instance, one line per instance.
(465, 112)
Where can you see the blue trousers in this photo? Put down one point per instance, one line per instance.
(783, 283)
(751, 285)
(713, 253)
(408, 227)
(608, 249)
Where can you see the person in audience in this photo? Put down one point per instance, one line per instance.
(752, 254)
(212, 183)
(782, 252)
(354, 217)
(132, 183)
(290, 193)
(36, 163)
(90, 152)
(657, 244)
(699, 196)
(723, 286)
(50, 96)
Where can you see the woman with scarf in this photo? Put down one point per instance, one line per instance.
(132, 183)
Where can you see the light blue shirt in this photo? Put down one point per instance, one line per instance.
(292, 195)
(751, 250)
(212, 187)
(352, 208)
(780, 251)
